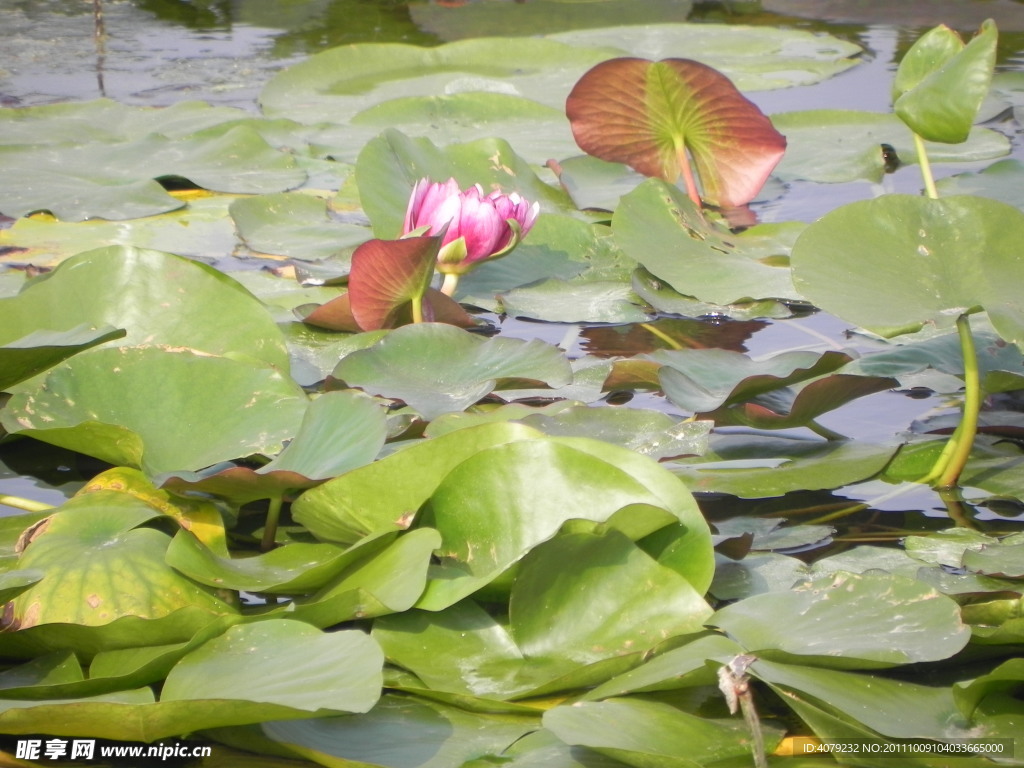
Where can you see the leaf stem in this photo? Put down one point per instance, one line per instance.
(971, 409)
(926, 168)
(687, 171)
(273, 516)
(417, 309)
(26, 505)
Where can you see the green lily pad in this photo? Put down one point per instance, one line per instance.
(115, 180)
(825, 619)
(336, 84)
(402, 732)
(500, 503)
(574, 301)
(351, 506)
(702, 380)
(845, 145)
(341, 430)
(1001, 181)
(537, 131)
(771, 535)
(849, 702)
(912, 267)
(1000, 365)
(25, 357)
(384, 574)
(941, 83)
(683, 667)
(649, 433)
(661, 228)
(270, 670)
(200, 230)
(1005, 558)
(127, 405)
(295, 226)
(535, 653)
(297, 666)
(552, 610)
(653, 734)
(172, 301)
(99, 566)
(757, 466)
(753, 57)
(465, 369)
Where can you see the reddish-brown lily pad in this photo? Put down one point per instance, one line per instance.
(660, 116)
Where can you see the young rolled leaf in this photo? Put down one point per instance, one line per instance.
(657, 116)
(386, 275)
(939, 86)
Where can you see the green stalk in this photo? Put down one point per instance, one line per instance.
(687, 171)
(926, 168)
(450, 283)
(26, 505)
(971, 409)
(270, 530)
(417, 309)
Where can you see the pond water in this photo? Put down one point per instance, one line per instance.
(159, 52)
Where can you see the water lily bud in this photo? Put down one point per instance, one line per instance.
(480, 227)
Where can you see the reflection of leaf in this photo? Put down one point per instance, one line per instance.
(648, 115)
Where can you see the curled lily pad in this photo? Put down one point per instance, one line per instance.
(351, 506)
(941, 83)
(340, 431)
(100, 565)
(500, 503)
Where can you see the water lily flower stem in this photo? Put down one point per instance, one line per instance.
(926, 168)
(270, 529)
(450, 283)
(26, 505)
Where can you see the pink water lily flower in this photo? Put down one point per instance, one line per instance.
(480, 227)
